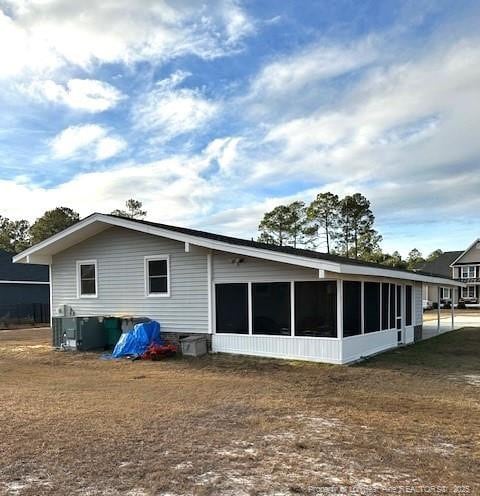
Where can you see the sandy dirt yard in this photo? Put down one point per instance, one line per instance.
(406, 422)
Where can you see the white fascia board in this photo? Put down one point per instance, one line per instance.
(248, 251)
(24, 256)
(212, 244)
(467, 250)
(394, 274)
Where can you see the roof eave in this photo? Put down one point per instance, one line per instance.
(465, 251)
(41, 250)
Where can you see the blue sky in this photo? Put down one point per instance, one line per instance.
(212, 113)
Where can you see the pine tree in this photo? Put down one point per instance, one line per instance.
(323, 215)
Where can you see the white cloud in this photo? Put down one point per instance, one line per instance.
(91, 140)
(109, 147)
(184, 193)
(224, 151)
(295, 83)
(47, 35)
(169, 111)
(415, 118)
(88, 95)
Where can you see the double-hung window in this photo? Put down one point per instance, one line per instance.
(87, 279)
(468, 272)
(157, 275)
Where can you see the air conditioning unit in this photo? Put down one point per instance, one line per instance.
(64, 311)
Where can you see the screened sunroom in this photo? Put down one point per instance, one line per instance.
(245, 297)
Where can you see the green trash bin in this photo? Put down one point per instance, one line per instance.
(112, 329)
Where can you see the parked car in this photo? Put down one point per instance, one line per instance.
(427, 305)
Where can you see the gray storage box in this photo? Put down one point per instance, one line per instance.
(194, 346)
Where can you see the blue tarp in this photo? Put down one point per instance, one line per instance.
(135, 342)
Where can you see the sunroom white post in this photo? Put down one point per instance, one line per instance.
(250, 309)
(50, 281)
(292, 308)
(339, 308)
(452, 293)
(438, 309)
(362, 306)
(210, 291)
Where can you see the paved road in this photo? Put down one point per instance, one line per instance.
(430, 326)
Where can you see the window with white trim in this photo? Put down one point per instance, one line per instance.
(87, 283)
(157, 275)
(445, 293)
(468, 272)
(468, 292)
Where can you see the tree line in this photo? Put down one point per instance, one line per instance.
(342, 226)
(18, 235)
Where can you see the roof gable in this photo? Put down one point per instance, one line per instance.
(470, 256)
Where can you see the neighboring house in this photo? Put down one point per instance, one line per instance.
(462, 266)
(466, 268)
(246, 297)
(24, 291)
(441, 266)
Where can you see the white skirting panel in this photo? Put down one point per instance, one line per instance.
(409, 334)
(296, 348)
(363, 345)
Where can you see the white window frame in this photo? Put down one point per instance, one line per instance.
(445, 291)
(466, 269)
(466, 292)
(152, 258)
(79, 263)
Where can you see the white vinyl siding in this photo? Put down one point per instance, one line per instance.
(417, 304)
(227, 268)
(120, 255)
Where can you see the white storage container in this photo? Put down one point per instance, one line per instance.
(194, 346)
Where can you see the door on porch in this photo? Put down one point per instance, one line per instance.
(399, 314)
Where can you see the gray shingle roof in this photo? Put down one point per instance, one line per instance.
(282, 249)
(441, 265)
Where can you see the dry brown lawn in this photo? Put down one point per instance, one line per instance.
(74, 424)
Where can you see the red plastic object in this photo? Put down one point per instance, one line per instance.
(157, 351)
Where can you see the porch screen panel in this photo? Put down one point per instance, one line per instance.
(271, 308)
(392, 306)
(371, 305)
(231, 304)
(316, 309)
(399, 307)
(352, 308)
(408, 305)
(385, 306)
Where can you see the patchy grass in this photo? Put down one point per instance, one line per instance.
(74, 424)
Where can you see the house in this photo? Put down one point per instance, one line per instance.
(441, 266)
(462, 266)
(24, 291)
(466, 268)
(246, 297)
